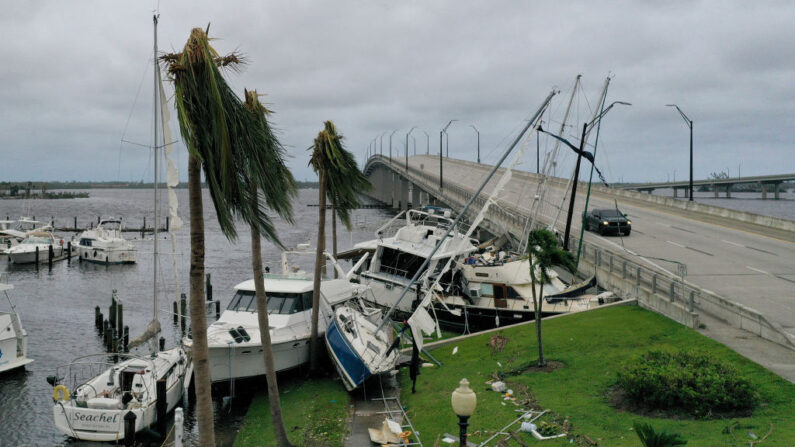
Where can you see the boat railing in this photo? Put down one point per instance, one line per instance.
(79, 372)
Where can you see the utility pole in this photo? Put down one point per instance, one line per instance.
(574, 189)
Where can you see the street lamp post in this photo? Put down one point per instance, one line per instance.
(478, 132)
(407, 146)
(464, 401)
(382, 142)
(441, 132)
(689, 124)
(579, 151)
(428, 142)
(390, 144)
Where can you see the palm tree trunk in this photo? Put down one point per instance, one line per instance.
(314, 361)
(199, 351)
(265, 337)
(334, 235)
(541, 360)
(537, 308)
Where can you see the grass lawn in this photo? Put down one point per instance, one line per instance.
(592, 346)
(315, 414)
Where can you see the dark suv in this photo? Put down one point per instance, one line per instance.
(608, 221)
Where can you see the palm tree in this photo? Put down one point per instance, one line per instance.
(650, 438)
(340, 180)
(226, 141)
(544, 251)
(287, 189)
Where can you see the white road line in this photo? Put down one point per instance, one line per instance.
(756, 270)
(674, 243)
(733, 243)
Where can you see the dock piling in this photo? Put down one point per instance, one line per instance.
(175, 312)
(50, 255)
(97, 319)
(126, 339)
(129, 429)
(217, 309)
(69, 252)
(183, 302)
(162, 407)
(209, 288)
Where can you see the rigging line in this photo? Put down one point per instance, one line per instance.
(129, 117)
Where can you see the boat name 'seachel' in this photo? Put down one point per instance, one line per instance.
(102, 417)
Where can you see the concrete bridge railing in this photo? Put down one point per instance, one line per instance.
(654, 289)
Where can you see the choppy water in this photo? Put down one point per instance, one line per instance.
(57, 307)
(745, 201)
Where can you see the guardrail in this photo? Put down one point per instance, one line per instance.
(654, 289)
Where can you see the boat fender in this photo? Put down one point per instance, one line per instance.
(61, 242)
(60, 392)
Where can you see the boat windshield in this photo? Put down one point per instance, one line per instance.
(396, 262)
(278, 302)
(36, 240)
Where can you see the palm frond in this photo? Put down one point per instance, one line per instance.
(651, 438)
(234, 147)
(544, 250)
(344, 180)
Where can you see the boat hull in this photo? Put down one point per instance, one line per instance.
(249, 361)
(352, 370)
(10, 357)
(29, 257)
(107, 257)
(481, 318)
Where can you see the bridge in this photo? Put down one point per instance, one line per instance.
(767, 182)
(695, 263)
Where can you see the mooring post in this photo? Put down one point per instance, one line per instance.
(50, 255)
(120, 318)
(69, 252)
(37, 257)
(167, 224)
(217, 309)
(162, 343)
(75, 227)
(126, 339)
(178, 427)
(96, 317)
(209, 287)
(162, 407)
(175, 311)
(183, 303)
(129, 429)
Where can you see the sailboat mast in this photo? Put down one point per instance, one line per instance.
(557, 145)
(156, 177)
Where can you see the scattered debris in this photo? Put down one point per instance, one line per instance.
(455, 350)
(497, 343)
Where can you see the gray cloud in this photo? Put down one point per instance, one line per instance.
(72, 70)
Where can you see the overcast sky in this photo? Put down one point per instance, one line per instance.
(77, 77)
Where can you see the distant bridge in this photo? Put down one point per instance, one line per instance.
(683, 258)
(767, 182)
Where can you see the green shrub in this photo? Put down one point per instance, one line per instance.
(686, 382)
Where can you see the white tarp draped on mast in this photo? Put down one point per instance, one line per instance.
(172, 174)
(421, 321)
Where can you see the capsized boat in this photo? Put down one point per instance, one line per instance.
(397, 258)
(13, 338)
(105, 244)
(357, 345)
(359, 339)
(234, 339)
(12, 232)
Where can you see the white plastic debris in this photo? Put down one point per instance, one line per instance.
(498, 387)
(394, 427)
(510, 392)
(455, 350)
(528, 427)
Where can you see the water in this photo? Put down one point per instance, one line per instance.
(57, 307)
(750, 202)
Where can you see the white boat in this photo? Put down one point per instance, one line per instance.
(105, 244)
(41, 240)
(234, 339)
(396, 259)
(13, 338)
(13, 232)
(358, 347)
(100, 394)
